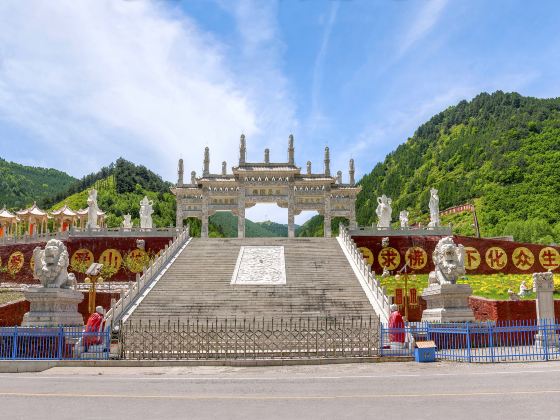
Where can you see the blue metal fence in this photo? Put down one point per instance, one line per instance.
(59, 343)
(478, 341)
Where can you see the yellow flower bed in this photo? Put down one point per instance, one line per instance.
(493, 286)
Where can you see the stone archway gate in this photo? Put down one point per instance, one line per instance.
(250, 183)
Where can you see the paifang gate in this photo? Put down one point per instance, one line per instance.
(266, 182)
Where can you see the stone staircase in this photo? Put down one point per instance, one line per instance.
(320, 282)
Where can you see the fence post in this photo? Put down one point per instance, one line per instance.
(381, 339)
(491, 341)
(60, 341)
(545, 338)
(468, 342)
(14, 343)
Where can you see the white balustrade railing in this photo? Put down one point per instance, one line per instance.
(12, 239)
(143, 280)
(379, 292)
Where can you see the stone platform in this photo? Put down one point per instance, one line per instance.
(53, 307)
(447, 303)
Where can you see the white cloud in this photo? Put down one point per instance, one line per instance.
(91, 81)
(423, 23)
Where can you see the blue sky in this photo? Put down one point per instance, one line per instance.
(82, 83)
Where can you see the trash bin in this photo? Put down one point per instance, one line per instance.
(425, 351)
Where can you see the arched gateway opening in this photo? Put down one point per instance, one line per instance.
(251, 183)
(267, 220)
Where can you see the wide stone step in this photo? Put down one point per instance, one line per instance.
(319, 282)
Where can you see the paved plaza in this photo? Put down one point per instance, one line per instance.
(383, 390)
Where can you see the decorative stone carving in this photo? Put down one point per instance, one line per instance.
(193, 177)
(51, 266)
(403, 217)
(449, 262)
(260, 265)
(224, 167)
(385, 242)
(252, 182)
(351, 172)
(180, 171)
(92, 209)
(146, 212)
(384, 211)
(127, 222)
(447, 301)
(434, 209)
(55, 304)
(308, 167)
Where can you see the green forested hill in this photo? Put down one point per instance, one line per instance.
(120, 187)
(21, 185)
(500, 150)
(224, 225)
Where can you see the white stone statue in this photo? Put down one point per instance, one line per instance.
(127, 222)
(51, 266)
(384, 211)
(434, 209)
(523, 289)
(146, 212)
(403, 216)
(449, 262)
(92, 209)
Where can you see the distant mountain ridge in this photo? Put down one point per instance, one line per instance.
(21, 185)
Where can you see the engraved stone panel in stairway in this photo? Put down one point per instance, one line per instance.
(260, 265)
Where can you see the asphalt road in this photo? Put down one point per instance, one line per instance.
(365, 391)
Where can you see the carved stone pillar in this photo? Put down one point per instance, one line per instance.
(291, 211)
(352, 217)
(204, 218)
(543, 285)
(179, 215)
(241, 213)
(327, 226)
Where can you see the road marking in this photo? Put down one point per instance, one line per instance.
(162, 377)
(279, 397)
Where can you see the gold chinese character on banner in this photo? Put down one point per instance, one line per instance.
(389, 258)
(416, 258)
(472, 258)
(366, 252)
(15, 262)
(523, 258)
(496, 258)
(549, 258)
(111, 257)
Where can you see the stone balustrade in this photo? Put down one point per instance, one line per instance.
(379, 292)
(73, 232)
(149, 274)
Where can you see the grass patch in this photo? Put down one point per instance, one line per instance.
(7, 296)
(491, 286)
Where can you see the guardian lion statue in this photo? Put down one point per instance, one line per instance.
(449, 262)
(51, 265)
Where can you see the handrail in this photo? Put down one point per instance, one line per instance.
(379, 292)
(143, 280)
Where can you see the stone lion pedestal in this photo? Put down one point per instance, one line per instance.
(446, 300)
(56, 303)
(53, 307)
(447, 303)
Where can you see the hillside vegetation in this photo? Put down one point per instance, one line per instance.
(501, 151)
(21, 185)
(120, 193)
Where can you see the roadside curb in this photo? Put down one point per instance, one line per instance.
(21, 366)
